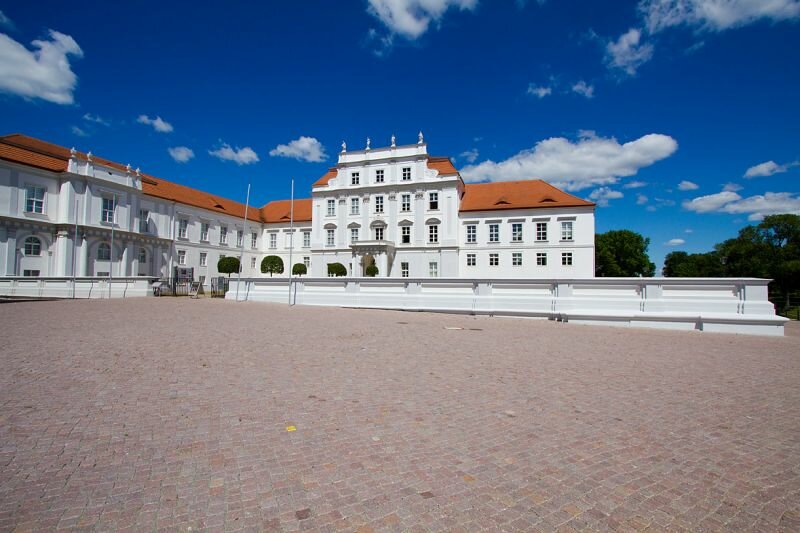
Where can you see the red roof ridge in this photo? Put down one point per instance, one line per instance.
(522, 194)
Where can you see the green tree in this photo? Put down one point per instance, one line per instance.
(299, 269)
(371, 271)
(622, 253)
(228, 265)
(272, 264)
(336, 269)
(683, 265)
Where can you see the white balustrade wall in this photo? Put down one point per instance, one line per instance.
(66, 287)
(733, 305)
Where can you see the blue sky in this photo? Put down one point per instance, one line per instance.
(681, 118)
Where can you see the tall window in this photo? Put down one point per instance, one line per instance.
(239, 238)
(306, 239)
(204, 231)
(183, 224)
(203, 259)
(252, 262)
(34, 199)
(541, 231)
(566, 230)
(33, 246)
(223, 235)
(433, 201)
(379, 204)
(541, 259)
(403, 269)
(566, 258)
(355, 178)
(331, 207)
(494, 260)
(104, 252)
(144, 221)
(181, 257)
(433, 233)
(405, 234)
(329, 241)
(471, 261)
(494, 232)
(273, 240)
(406, 173)
(142, 256)
(516, 232)
(108, 209)
(516, 259)
(254, 240)
(353, 234)
(433, 269)
(378, 234)
(307, 261)
(472, 234)
(355, 206)
(379, 176)
(405, 202)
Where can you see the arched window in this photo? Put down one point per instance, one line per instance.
(142, 255)
(104, 252)
(33, 246)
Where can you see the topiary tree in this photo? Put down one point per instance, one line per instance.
(299, 269)
(371, 271)
(336, 270)
(272, 264)
(228, 265)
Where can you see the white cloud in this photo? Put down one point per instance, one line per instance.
(635, 185)
(539, 92)
(768, 168)
(303, 149)
(688, 230)
(181, 154)
(761, 205)
(587, 162)
(675, 242)
(583, 89)
(711, 202)
(412, 18)
(715, 15)
(628, 53)
(732, 187)
(79, 132)
(240, 156)
(470, 156)
(96, 119)
(641, 199)
(42, 73)
(603, 194)
(158, 123)
(686, 185)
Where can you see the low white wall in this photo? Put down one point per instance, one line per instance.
(734, 305)
(60, 287)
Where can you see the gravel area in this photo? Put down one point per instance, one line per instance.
(150, 414)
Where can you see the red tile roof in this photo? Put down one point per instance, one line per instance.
(516, 195)
(442, 164)
(329, 175)
(280, 210)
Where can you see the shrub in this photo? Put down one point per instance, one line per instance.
(299, 269)
(272, 264)
(336, 270)
(228, 265)
(371, 271)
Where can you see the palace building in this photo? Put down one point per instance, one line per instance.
(65, 212)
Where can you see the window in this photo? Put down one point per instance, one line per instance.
(353, 234)
(239, 238)
(378, 234)
(223, 235)
(433, 201)
(472, 234)
(494, 260)
(252, 262)
(330, 238)
(516, 259)
(471, 260)
(144, 221)
(142, 256)
(379, 204)
(204, 231)
(202, 280)
(494, 232)
(30, 273)
(433, 233)
(331, 208)
(566, 258)
(516, 232)
(405, 234)
(406, 173)
(566, 230)
(433, 269)
(181, 257)
(355, 178)
(34, 199)
(306, 239)
(307, 262)
(203, 259)
(183, 224)
(273, 241)
(541, 231)
(355, 206)
(104, 252)
(379, 176)
(405, 202)
(541, 259)
(33, 246)
(109, 206)
(403, 269)
(254, 240)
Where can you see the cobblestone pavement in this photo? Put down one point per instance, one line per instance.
(173, 414)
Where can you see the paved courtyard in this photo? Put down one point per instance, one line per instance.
(183, 414)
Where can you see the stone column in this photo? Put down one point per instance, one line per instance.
(62, 253)
(11, 252)
(128, 258)
(83, 257)
(382, 261)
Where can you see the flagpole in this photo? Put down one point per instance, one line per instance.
(241, 250)
(291, 240)
(111, 256)
(75, 250)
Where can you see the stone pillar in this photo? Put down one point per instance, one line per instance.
(128, 258)
(61, 261)
(11, 252)
(382, 264)
(83, 257)
(156, 268)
